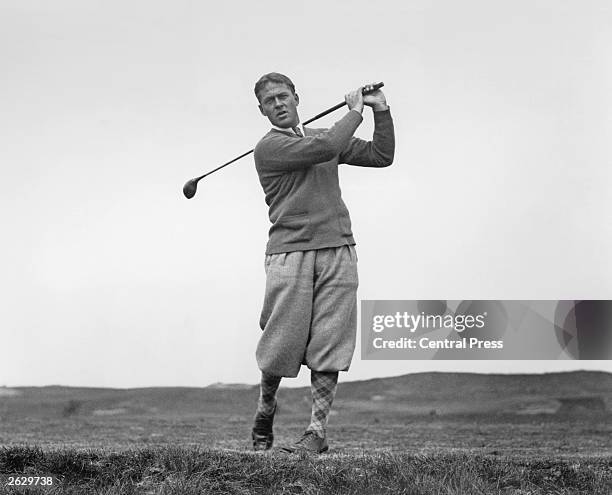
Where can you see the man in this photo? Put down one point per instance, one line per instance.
(309, 314)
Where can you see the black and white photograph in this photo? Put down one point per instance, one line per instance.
(320, 247)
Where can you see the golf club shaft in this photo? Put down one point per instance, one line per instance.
(375, 87)
(225, 164)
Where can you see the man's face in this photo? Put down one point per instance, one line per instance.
(279, 104)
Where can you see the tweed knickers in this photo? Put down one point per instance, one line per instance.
(309, 314)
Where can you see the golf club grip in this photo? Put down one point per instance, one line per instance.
(375, 87)
(340, 105)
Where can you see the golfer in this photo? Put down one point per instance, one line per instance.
(309, 313)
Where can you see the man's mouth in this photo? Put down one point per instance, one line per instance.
(282, 114)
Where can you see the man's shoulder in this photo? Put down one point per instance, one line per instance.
(270, 136)
(266, 148)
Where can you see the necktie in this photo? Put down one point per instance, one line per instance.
(297, 131)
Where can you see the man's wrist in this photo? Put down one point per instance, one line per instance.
(380, 107)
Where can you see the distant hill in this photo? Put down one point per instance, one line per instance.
(473, 393)
(413, 394)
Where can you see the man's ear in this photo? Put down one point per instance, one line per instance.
(297, 99)
(261, 109)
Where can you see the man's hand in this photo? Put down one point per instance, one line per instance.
(354, 100)
(376, 99)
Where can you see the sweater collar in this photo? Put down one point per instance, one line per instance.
(290, 130)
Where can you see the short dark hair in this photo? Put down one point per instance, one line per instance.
(273, 77)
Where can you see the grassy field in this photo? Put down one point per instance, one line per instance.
(178, 470)
(420, 434)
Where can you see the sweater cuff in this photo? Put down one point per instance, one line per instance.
(382, 116)
(383, 113)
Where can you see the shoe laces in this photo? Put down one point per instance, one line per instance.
(305, 437)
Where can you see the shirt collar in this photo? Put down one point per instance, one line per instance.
(289, 129)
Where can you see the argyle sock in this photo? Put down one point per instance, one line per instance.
(267, 394)
(323, 388)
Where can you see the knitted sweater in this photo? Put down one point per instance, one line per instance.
(299, 177)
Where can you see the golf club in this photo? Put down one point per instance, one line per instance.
(191, 186)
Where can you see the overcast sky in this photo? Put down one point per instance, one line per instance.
(110, 277)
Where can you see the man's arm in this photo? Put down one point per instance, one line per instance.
(380, 151)
(282, 153)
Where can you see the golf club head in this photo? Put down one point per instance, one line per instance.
(190, 188)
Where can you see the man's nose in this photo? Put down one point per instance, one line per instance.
(278, 102)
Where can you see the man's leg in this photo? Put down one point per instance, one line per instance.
(323, 388)
(332, 337)
(334, 310)
(267, 394)
(286, 313)
(285, 322)
(262, 434)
